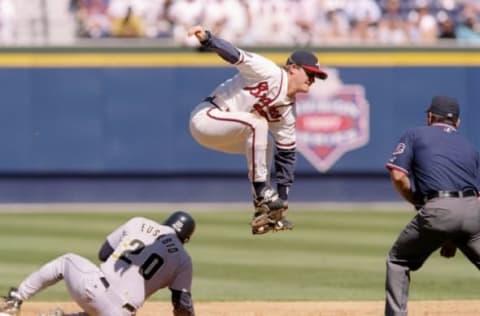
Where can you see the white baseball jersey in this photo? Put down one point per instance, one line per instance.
(260, 87)
(147, 257)
(240, 113)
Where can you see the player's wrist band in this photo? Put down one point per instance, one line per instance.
(206, 42)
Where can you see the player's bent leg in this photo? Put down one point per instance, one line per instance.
(49, 274)
(223, 131)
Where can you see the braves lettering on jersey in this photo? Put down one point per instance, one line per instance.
(235, 114)
(260, 86)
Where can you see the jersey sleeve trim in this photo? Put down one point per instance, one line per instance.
(286, 146)
(391, 166)
(241, 59)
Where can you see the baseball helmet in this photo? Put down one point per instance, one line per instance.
(183, 224)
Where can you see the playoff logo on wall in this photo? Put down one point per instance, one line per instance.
(332, 119)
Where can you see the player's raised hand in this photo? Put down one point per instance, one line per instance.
(199, 32)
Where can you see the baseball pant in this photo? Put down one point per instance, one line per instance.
(456, 219)
(235, 133)
(83, 282)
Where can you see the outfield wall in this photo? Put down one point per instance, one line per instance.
(110, 113)
(92, 113)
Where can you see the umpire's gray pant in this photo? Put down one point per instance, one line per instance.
(457, 219)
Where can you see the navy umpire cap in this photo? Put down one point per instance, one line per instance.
(445, 106)
(307, 61)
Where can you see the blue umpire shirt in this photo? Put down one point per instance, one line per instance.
(437, 158)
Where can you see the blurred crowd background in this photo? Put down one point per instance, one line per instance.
(243, 22)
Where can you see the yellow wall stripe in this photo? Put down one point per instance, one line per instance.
(348, 59)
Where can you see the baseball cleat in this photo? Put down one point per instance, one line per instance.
(261, 219)
(268, 201)
(283, 224)
(11, 303)
(280, 225)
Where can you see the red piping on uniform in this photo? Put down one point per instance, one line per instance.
(241, 122)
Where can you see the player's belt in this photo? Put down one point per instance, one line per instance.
(105, 283)
(211, 99)
(127, 306)
(451, 194)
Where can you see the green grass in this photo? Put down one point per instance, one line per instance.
(330, 255)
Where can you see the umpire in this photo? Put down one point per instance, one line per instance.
(444, 169)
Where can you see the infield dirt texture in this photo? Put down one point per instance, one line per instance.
(344, 308)
(332, 263)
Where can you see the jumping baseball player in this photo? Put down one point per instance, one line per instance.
(139, 258)
(252, 113)
(437, 170)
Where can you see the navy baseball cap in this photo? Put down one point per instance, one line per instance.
(445, 106)
(307, 61)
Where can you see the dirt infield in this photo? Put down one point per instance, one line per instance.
(371, 308)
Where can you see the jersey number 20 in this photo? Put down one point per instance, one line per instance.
(149, 266)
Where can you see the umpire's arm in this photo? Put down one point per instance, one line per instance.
(402, 184)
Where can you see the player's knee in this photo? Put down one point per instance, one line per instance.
(261, 125)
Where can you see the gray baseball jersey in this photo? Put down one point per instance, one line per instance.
(147, 256)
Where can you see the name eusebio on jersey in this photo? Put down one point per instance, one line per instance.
(165, 239)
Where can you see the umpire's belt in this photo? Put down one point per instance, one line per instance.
(127, 306)
(451, 194)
